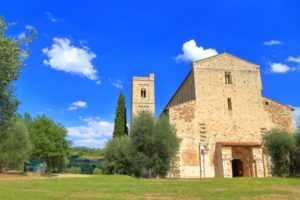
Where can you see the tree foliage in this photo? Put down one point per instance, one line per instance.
(120, 126)
(155, 142)
(17, 147)
(147, 152)
(97, 171)
(12, 55)
(281, 146)
(118, 156)
(49, 142)
(296, 156)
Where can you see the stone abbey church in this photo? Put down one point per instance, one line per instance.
(220, 116)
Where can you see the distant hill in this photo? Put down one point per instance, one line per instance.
(86, 158)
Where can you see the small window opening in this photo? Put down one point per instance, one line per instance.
(266, 103)
(228, 78)
(229, 104)
(143, 93)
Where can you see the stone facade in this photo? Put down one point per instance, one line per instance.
(142, 94)
(278, 114)
(220, 116)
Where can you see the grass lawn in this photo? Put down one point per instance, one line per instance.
(124, 187)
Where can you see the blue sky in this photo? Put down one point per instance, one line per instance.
(86, 52)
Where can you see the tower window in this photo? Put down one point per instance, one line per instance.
(143, 93)
(228, 78)
(229, 104)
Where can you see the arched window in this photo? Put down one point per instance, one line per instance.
(143, 93)
(229, 104)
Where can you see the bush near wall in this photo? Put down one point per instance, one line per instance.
(284, 149)
(147, 152)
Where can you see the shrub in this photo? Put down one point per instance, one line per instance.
(17, 147)
(73, 170)
(154, 144)
(148, 151)
(117, 156)
(97, 171)
(281, 146)
(296, 156)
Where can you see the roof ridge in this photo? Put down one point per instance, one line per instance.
(279, 103)
(224, 53)
(178, 88)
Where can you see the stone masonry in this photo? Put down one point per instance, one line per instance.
(142, 94)
(220, 117)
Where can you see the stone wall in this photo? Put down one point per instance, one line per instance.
(243, 122)
(175, 171)
(205, 119)
(259, 165)
(226, 162)
(278, 115)
(182, 116)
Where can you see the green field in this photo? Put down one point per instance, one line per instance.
(124, 187)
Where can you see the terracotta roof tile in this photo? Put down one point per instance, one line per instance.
(239, 143)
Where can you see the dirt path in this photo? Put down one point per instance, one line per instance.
(73, 175)
(18, 176)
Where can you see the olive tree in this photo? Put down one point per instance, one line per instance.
(118, 156)
(12, 55)
(147, 152)
(154, 142)
(281, 146)
(17, 146)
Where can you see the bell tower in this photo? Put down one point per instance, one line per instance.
(142, 94)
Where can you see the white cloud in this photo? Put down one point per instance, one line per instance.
(116, 83)
(95, 132)
(91, 143)
(50, 16)
(77, 104)
(294, 59)
(272, 42)
(66, 57)
(280, 68)
(192, 52)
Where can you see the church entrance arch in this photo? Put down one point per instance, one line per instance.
(241, 161)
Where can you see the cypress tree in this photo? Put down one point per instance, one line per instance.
(120, 127)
